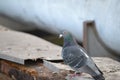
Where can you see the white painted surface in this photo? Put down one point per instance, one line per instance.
(54, 15)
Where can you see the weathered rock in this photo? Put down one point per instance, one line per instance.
(19, 47)
(4, 77)
(56, 67)
(2, 28)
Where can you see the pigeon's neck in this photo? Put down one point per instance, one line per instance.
(69, 42)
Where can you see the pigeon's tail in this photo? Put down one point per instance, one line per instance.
(99, 77)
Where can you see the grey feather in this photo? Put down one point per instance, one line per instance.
(76, 57)
(74, 60)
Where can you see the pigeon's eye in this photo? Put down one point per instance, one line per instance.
(64, 33)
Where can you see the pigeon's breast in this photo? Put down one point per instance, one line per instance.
(73, 57)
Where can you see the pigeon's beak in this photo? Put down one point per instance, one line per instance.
(60, 35)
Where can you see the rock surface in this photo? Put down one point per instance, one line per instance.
(4, 77)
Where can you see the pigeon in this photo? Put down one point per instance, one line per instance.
(77, 58)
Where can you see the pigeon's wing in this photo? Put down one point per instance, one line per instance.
(74, 56)
(92, 69)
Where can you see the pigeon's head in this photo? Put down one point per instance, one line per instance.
(68, 39)
(66, 35)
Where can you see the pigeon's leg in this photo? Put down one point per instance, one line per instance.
(78, 73)
(75, 74)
